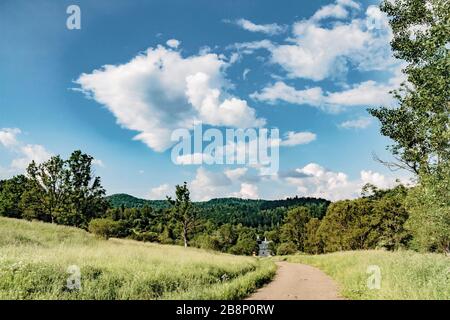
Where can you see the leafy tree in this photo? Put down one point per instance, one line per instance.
(10, 194)
(294, 227)
(419, 126)
(429, 208)
(83, 191)
(45, 192)
(388, 218)
(63, 191)
(346, 225)
(183, 211)
(313, 242)
(376, 220)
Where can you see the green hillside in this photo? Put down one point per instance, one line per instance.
(35, 257)
(248, 212)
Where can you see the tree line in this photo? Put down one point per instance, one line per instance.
(58, 191)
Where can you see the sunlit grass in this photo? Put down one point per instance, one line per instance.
(34, 258)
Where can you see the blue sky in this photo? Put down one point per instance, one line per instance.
(310, 68)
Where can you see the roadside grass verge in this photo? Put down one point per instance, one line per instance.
(404, 274)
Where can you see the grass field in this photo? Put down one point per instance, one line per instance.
(34, 261)
(404, 274)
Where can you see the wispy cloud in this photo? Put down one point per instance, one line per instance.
(360, 123)
(23, 153)
(270, 29)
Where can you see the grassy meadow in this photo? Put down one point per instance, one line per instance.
(35, 256)
(404, 274)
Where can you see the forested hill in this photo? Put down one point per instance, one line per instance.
(234, 210)
(125, 200)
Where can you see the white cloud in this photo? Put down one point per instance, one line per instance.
(364, 93)
(235, 174)
(359, 123)
(249, 148)
(338, 10)
(318, 52)
(208, 184)
(270, 29)
(8, 136)
(159, 192)
(173, 43)
(375, 178)
(282, 92)
(252, 46)
(312, 180)
(23, 153)
(316, 181)
(245, 73)
(206, 100)
(368, 93)
(98, 163)
(247, 191)
(159, 91)
(292, 138)
(29, 153)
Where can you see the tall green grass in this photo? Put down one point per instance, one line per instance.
(404, 274)
(34, 258)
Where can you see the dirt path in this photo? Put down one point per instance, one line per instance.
(295, 281)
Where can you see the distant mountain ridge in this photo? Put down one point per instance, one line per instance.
(128, 201)
(249, 212)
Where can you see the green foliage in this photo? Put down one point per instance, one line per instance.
(294, 228)
(366, 223)
(346, 225)
(63, 191)
(83, 192)
(183, 212)
(286, 248)
(429, 207)
(419, 126)
(104, 227)
(251, 213)
(246, 244)
(123, 201)
(313, 242)
(10, 193)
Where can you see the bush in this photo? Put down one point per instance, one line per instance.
(286, 249)
(105, 227)
(146, 236)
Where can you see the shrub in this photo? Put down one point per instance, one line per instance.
(286, 249)
(104, 227)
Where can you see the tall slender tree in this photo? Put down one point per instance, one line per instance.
(420, 125)
(183, 211)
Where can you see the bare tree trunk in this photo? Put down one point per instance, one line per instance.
(185, 236)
